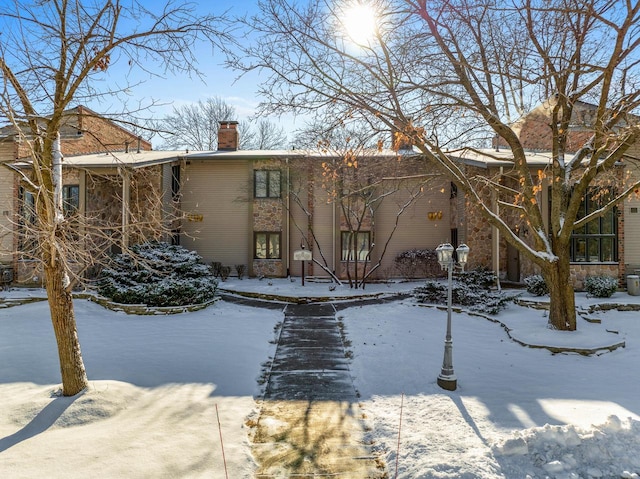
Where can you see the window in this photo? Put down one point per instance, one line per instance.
(27, 238)
(266, 245)
(597, 241)
(266, 183)
(355, 245)
(175, 182)
(70, 199)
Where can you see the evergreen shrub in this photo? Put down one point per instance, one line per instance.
(536, 285)
(467, 289)
(158, 274)
(600, 286)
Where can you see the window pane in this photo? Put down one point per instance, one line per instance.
(274, 184)
(261, 245)
(274, 245)
(607, 249)
(346, 236)
(363, 245)
(593, 249)
(71, 198)
(593, 227)
(608, 222)
(580, 249)
(260, 185)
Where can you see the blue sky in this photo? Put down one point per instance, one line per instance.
(176, 90)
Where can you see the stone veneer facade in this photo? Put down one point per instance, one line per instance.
(269, 216)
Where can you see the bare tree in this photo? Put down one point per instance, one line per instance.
(357, 181)
(195, 126)
(264, 134)
(57, 52)
(445, 71)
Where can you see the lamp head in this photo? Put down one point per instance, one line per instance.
(444, 253)
(463, 254)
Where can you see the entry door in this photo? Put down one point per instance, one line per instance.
(513, 264)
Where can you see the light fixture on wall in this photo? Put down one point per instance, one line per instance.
(434, 215)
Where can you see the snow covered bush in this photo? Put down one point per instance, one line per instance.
(468, 289)
(600, 286)
(158, 274)
(417, 263)
(536, 285)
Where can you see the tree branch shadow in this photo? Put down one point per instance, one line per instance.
(40, 423)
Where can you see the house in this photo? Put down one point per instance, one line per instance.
(608, 246)
(103, 162)
(258, 208)
(354, 211)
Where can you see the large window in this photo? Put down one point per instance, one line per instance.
(266, 245)
(266, 183)
(597, 241)
(355, 245)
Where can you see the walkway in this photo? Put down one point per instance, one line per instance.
(310, 424)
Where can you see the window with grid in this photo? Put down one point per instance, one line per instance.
(266, 184)
(597, 241)
(355, 245)
(266, 245)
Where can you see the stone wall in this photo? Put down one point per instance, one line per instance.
(269, 216)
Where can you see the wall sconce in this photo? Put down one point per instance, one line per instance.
(434, 215)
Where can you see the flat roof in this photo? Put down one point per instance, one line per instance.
(131, 159)
(486, 157)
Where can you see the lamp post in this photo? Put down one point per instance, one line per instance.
(447, 378)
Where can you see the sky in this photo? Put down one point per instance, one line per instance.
(218, 81)
(175, 395)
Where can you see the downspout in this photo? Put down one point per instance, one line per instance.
(288, 224)
(496, 266)
(57, 180)
(126, 189)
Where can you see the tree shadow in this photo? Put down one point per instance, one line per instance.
(40, 423)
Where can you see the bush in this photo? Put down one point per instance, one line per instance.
(536, 285)
(481, 277)
(468, 289)
(158, 274)
(417, 263)
(600, 286)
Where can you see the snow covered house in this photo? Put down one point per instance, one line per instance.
(352, 211)
(607, 246)
(103, 164)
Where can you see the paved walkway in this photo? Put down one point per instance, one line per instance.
(310, 424)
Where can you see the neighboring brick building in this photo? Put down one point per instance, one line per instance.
(613, 250)
(95, 187)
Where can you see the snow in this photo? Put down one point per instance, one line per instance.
(159, 383)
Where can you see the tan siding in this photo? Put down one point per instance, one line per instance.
(217, 190)
(325, 231)
(414, 230)
(6, 215)
(632, 235)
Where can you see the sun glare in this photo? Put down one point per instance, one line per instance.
(360, 23)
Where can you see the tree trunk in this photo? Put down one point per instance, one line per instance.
(74, 376)
(562, 307)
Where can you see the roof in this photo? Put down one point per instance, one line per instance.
(131, 159)
(489, 157)
(284, 154)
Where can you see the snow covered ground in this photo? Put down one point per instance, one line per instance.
(159, 385)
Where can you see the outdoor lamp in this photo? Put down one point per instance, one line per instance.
(463, 254)
(445, 254)
(447, 378)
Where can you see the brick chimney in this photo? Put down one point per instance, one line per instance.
(228, 136)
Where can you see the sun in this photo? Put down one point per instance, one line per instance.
(360, 23)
